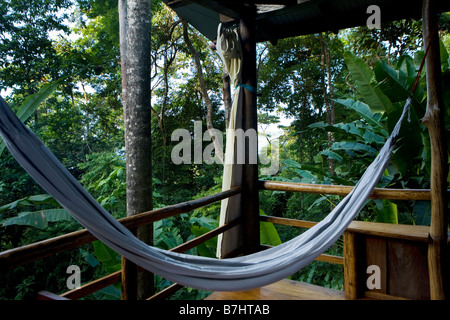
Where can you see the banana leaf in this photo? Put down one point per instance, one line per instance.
(364, 78)
(110, 260)
(32, 103)
(364, 111)
(268, 233)
(38, 219)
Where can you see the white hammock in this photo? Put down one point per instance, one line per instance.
(240, 273)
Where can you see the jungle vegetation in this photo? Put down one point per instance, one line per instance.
(337, 94)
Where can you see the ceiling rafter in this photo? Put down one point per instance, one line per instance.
(278, 19)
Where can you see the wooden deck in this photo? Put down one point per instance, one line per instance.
(282, 290)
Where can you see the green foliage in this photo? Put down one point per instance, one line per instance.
(171, 232)
(104, 178)
(30, 105)
(268, 233)
(27, 55)
(109, 259)
(38, 219)
(80, 118)
(364, 111)
(382, 91)
(390, 42)
(105, 261)
(200, 226)
(322, 274)
(387, 211)
(364, 78)
(29, 201)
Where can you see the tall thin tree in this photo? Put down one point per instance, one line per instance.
(204, 90)
(327, 87)
(137, 117)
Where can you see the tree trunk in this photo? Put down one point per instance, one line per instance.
(327, 88)
(330, 98)
(203, 89)
(138, 137)
(434, 121)
(122, 6)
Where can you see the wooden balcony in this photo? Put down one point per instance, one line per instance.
(399, 250)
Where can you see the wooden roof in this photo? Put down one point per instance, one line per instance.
(278, 19)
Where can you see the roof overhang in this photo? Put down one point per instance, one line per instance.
(278, 19)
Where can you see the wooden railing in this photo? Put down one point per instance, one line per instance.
(378, 193)
(15, 257)
(393, 194)
(391, 246)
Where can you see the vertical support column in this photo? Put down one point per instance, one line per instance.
(434, 121)
(350, 266)
(250, 196)
(129, 279)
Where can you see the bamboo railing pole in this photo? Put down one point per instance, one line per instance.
(378, 193)
(434, 121)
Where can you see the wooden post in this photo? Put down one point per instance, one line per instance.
(250, 196)
(434, 121)
(350, 266)
(129, 280)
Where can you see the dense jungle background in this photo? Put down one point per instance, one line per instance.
(330, 100)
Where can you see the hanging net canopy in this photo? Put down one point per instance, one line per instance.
(239, 273)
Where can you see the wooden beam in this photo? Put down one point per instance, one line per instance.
(323, 257)
(385, 230)
(330, 258)
(205, 237)
(112, 278)
(167, 292)
(46, 295)
(225, 9)
(351, 286)
(176, 209)
(288, 222)
(392, 231)
(434, 121)
(12, 258)
(378, 193)
(93, 286)
(250, 196)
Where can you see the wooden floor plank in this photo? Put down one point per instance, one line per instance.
(282, 290)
